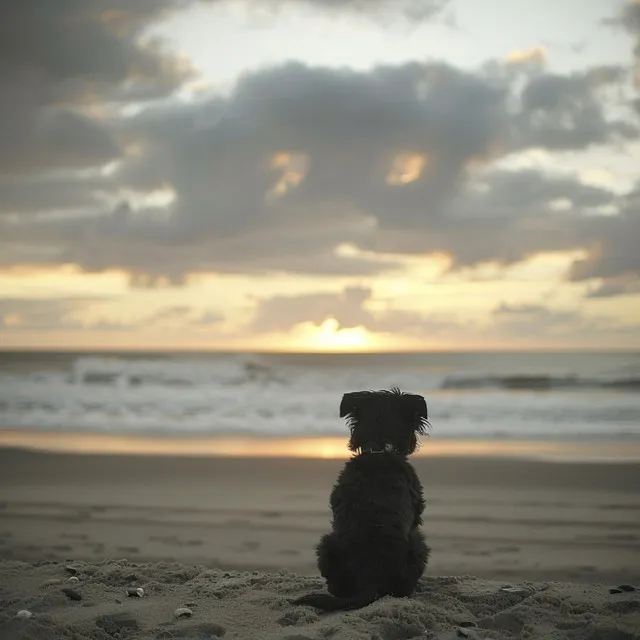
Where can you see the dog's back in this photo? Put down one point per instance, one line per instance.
(376, 493)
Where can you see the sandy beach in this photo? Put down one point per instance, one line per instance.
(232, 538)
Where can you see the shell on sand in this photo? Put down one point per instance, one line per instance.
(24, 614)
(256, 607)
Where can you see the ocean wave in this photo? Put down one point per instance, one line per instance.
(540, 383)
(306, 405)
(131, 372)
(254, 394)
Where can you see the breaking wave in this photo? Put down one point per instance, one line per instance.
(279, 395)
(541, 383)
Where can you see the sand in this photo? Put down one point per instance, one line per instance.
(232, 539)
(254, 605)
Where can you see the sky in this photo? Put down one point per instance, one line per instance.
(320, 175)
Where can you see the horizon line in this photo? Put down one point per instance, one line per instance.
(221, 350)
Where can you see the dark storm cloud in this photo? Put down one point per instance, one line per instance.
(154, 253)
(34, 194)
(348, 125)
(630, 20)
(57, 57)
(56, 138)
(528, 189)
(613, 251)
(517, 214)
(567, 112)
(70, 51)
(488, 230)
(76, 46)
(469, 242)
(334, 137)
(342, 131)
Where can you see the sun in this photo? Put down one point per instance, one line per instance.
(330, 337)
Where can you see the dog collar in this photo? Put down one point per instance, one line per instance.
(388, 448)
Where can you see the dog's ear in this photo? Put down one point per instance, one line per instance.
(351, 401)
(415, 407)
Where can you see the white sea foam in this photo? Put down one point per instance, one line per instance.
(274, 396)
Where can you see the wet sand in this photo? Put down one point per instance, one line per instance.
(493, 518)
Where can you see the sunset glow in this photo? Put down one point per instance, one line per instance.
(329, 336)
(294, 168)
(322, 447)
(407, 167)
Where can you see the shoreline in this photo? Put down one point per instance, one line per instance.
(622, 451)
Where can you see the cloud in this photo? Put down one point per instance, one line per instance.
(613, 251)
(349, 125)
(528, 316)
(567, 112)
(280, 313)
(182, 316)
(352, 156)
(56, 63)
(621, 286)
(54, 139)
(534, 56)
(349, 308)
(536, 323)
(99, 46)
(347, 128)
(93, 313)
(506, 217)
(84, 54)
(291, 167)
(61, 192)
(628, 19)
(412, 10)
(26, 314)
(532, 323)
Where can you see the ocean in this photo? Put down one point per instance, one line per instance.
(566, 396)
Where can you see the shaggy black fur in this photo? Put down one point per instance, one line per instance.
(376, 547)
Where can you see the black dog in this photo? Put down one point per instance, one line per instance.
(376, 547)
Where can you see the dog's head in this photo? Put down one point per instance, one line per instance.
(380, 418)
